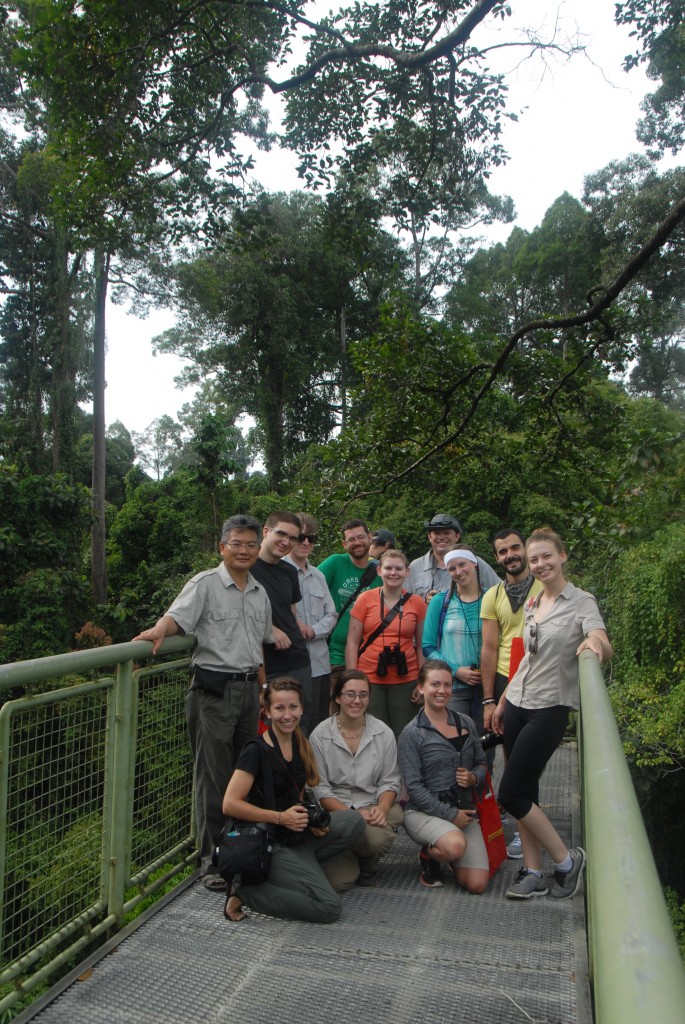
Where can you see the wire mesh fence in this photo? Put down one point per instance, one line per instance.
(163, 767)
(55, 832)
(96, 785)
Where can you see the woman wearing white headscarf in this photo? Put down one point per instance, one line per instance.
(452, 632)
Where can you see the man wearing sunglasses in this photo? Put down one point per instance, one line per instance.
(289, 655)
(316, 615)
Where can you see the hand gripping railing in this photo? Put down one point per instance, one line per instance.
(636, 968)
(95, 800)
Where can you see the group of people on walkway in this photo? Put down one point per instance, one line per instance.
(417, 660)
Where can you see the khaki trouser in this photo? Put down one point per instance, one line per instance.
(366, 854)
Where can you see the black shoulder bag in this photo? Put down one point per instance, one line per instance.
(387, 619)
(246, 849)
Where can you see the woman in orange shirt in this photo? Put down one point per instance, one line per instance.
(391, 657)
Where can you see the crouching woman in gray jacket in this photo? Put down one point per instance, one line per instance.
(442, 762)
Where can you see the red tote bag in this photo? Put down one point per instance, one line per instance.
(491, 827)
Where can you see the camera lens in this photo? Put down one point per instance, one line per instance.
(490, 739)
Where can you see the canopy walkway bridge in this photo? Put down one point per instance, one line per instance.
(95, 816)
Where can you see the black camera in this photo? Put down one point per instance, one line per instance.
(317, 816)
(490, 739)
(460, 798)
(392, 656)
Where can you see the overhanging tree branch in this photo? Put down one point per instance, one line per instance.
(351, 52)
(606, 295)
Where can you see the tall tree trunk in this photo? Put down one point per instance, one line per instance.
(343, 366)
(99, 568)
(65, 359)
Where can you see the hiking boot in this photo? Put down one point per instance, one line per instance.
(567, 883)
(429, 871)
(514, 848)
(526, 885)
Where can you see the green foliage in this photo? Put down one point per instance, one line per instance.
(262, 313)
(646, 599)
(43, 317)
(43, 593)
(659, 28)
(639, 491)
(676, 910)
(119, 456)
(160, 536)
(520, 461)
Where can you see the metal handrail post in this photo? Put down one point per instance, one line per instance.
(4, 770)
(122, 782)
(638, 974)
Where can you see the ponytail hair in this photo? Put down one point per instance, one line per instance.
(546, 533)
(283, 684)
(430, 665)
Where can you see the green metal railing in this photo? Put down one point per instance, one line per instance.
(637, 971)
(96, 783)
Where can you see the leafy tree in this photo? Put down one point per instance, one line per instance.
(261, 313)
(162, 535)
(43, 592)
(646, 609)
(659, 27)
(171, 85)
(160, 445)
(43, 320)
(120, 454)
(544, 272)
(627, 197)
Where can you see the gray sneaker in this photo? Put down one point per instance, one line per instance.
(515, 849)
(567, 883)
(526, 885)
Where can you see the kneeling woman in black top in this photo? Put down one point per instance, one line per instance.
(297, 887)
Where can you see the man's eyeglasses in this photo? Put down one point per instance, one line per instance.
(292, 538)
(352, 695)
(238, 545)
(362, 538)
(311, 537)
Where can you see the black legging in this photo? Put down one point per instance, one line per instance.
(530, 738)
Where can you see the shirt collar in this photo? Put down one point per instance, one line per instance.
(228, 581)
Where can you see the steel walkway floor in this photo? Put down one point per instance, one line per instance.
(399, 954)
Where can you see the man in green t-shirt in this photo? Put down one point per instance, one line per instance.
(347, 576)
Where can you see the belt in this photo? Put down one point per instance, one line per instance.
(243, 677)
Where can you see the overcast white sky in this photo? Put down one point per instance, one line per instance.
(575, 117)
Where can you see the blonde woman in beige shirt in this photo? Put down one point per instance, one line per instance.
(560, 622)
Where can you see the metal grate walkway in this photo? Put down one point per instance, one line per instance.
(400, 954)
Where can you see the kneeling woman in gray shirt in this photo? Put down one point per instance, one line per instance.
(560, 622)
(442, 762)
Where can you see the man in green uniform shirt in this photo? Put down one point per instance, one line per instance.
(347, 576)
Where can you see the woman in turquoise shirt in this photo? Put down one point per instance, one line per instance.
(452, 632)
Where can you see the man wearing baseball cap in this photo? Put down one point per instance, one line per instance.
(381, 540)
(428, 575)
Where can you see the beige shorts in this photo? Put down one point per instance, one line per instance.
(425, 830)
